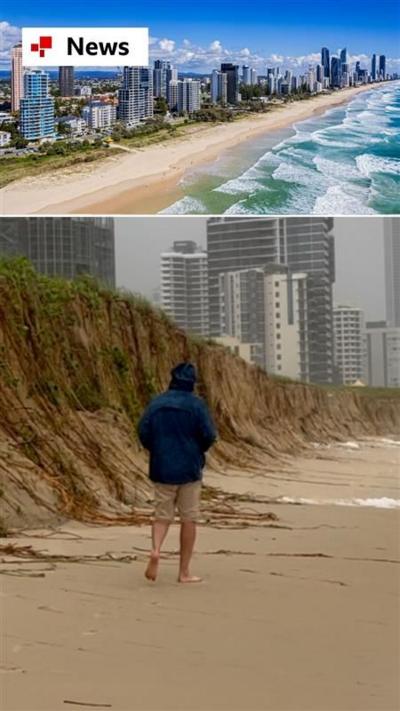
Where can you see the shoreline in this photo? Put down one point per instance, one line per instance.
(155, 171)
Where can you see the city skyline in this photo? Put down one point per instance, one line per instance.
(138, 269)
(195, 48)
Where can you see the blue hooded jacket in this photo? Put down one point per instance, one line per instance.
(177, 429)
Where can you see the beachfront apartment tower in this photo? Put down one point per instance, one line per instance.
(36, 107)
(62, 246)
(305, 245)
(173, 94)
(382, 66)
(219, 87)
(98, 114)
(189, 96)
(242, 310)
(382, 355)
(232, 79)
(391, 237)
(348, 325)
(66, 79)
(163, 73)
(373, 67)
(135, 97)
(246, 74)
(336, 72)
(266, 309)
(325, 61)
(17, 77)
(184, 286)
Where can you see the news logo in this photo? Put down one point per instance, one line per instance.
(41, 46)
(85, 46)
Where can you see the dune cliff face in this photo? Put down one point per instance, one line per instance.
(78, 365)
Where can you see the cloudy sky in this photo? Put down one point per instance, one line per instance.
(198, 36)
(358, 248)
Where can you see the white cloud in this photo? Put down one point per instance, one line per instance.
(9, 36)
(167, 45)
(215, 47)
(188, 56)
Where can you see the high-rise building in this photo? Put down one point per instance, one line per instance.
(135, 97)
(391, 237)
(62, 246)
(310, 249)
(232, 78)
(373, 67)
(36, 107)
(242, 309)
(163, 73)
(382, 66)
(382, 355)
(173, 94)
(325, 61)
(246, 74)
(219, 87)
(184, 286)
(17, 77)
(336, 72)
(286, 323)
(343, 56)
(66, 78)
(189, 96)
(98, 114)
(266, 309)
(305, 245)
(348, 323)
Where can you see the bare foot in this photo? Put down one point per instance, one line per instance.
(189, 579)
(152, 568)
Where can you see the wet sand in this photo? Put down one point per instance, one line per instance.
(144, 181)
(300, 614)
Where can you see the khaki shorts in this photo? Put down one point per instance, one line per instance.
(185, 497)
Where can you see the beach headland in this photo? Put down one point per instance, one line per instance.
(145, 181)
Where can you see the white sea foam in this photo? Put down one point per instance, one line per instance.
(368, 164)
(185, 206)
(242, 184)
(335, 170)
(239, 208)
(338, 200)
(382, 503)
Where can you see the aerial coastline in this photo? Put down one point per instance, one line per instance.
(151, 175)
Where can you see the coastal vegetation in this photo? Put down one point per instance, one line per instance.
(54, 156)
(78, 364)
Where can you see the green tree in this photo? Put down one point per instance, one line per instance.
(161, 106)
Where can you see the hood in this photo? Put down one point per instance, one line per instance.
(183, 377)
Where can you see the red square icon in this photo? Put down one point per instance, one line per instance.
(34, 47)
(45, 42)
(41, 53)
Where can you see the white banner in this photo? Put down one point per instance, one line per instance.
(85, 46)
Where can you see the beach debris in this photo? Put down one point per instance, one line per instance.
(88, 703)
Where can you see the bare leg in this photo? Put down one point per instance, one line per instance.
(188, 537)
(158, 533)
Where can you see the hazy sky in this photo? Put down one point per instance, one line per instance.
(358, 249)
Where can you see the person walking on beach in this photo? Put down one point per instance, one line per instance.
(177, 429)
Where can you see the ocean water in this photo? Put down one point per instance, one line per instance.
(346, 161)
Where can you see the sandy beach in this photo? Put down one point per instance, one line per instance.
(297, 614)
(144, 181)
